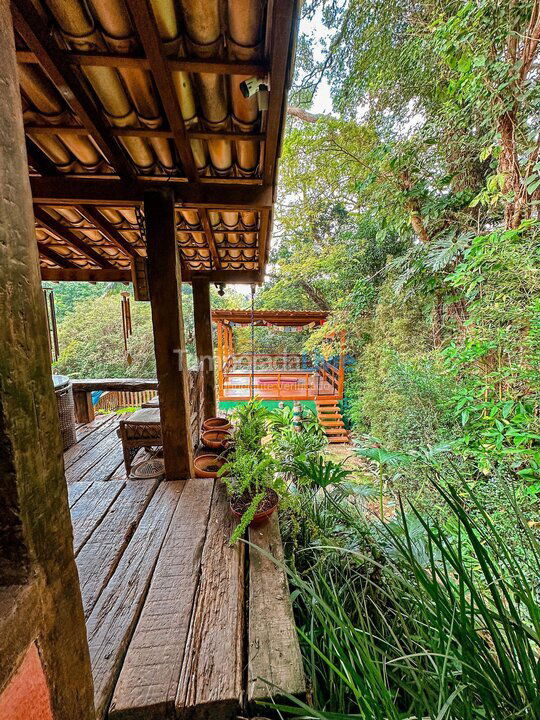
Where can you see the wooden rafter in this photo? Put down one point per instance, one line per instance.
(31, 28)
(145, 22)
(220, 67)
(62, 262)
(264, 234)
(240, 277)
(38, 160)
(210, 238)
(36, 130)
(64, 233)
(282, 18)
(86, 191)
(106, 229)
(85, 275)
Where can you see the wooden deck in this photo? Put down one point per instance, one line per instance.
(267, 385)
(166, 598)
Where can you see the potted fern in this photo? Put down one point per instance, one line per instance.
(250, 473)
(250, 482)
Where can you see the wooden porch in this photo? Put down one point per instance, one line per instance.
(174, 615)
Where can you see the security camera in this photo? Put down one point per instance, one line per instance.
(251, 87)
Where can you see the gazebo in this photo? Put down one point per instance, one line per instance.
(275, 376)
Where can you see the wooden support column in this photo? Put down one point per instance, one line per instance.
(84, 407)
(165, 285)
(44, 659)
(203, 341)
(220, 357)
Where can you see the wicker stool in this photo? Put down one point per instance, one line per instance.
(66, 410)
(142, 429)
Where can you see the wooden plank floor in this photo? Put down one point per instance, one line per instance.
(163, 593)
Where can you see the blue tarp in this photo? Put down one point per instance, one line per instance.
(96, 394)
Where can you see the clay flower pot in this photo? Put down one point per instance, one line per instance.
(208, 465)
(216, 439)
(239, 505)
(216, 423)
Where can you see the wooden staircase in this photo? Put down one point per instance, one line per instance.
(331, 420)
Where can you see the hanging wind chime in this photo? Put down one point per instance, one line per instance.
(126, 324)
(54, 349)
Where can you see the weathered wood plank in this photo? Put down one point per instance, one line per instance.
(77, 490)
(90, 509)
(148, 680)
(211, 679)
(88, 428)
(274, 657)
(99, 557)
(115, 614)
(81, 447)
(107, 466)
(78, 470)
(127, 384)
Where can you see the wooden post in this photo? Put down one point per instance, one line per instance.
(165, 284)
(220, 357)
(84, 408)
(203, 341)
(41, 599)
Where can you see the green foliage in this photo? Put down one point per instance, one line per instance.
(448, 629)
(320, 473)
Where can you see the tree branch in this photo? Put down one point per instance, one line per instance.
(302, 114)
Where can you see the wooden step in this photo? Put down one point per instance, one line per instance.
(332, 423)
(339, 439)
(335, 431)
(273, 649)
(329, 416)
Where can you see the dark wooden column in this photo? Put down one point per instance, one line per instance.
(203, 340)
(40, 595)
(165, 285)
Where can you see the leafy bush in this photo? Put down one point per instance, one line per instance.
(440, 627)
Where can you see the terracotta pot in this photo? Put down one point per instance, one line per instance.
(203, 463)
(261, 516)
(216, 439)
(216, 423)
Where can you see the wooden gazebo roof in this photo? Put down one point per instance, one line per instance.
(282, 318)
(119, 97)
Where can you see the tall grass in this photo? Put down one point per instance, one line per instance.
(450, 630)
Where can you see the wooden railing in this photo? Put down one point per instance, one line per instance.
(301, 388)
(124, 391)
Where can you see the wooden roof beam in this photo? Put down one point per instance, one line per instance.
(36, 130)
(217, 67)
(105, 228)
(64, 233)
(145, 22)
(283, 17)
(62, 262)
(85, 275)
(238, 277)
(86, 191)
(35, 34)
(210, 238)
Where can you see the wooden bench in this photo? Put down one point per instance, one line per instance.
(141, 429)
